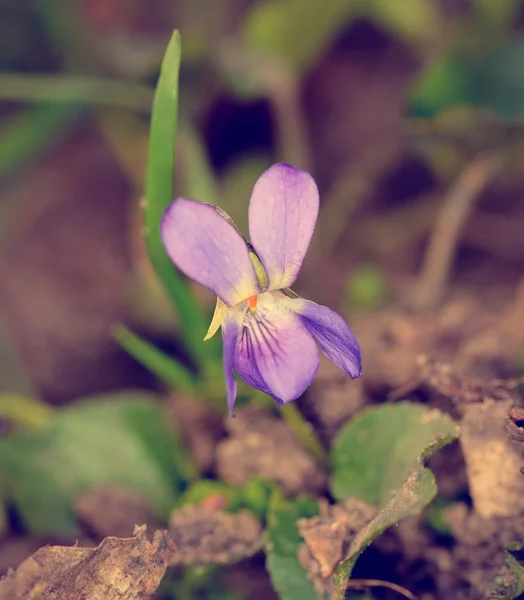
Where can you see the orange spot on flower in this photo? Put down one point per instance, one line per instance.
(252, 303)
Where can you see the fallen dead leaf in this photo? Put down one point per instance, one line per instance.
(118, 569)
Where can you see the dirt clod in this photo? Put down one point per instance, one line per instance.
(204, 536)
(256, 447)
(493, 460)
(112, 510)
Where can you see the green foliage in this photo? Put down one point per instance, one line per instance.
(445, 84)
(518, 571)
(207, 488)
(379, 458)
(499, 78)
(159, 194)
(122, 439)
(297, 32)
(287, 574)
(375, 452)
(491, 77)
(366, 288)
(497, 14)
(254, 495)
(509, 587)
(164, 367)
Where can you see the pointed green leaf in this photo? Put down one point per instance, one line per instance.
(159, 194)
(164, 367)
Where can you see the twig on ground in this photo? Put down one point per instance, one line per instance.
(445, 235)
(365, 583)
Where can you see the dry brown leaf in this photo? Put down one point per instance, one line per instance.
(118, 569)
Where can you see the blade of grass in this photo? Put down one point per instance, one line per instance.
(165, 368)
(24, 411)
(159, 193)
(74, 89)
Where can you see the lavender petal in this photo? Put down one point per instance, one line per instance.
(282, 216)
(207, 247)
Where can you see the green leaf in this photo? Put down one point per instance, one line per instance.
(445, 84)
(374, 454)
(518, 570)
(288, 576)
(120, 439)
(500, 78)
(508, 586)
(413, 20)
(159, 194)
(497, 15)
(170, 371)
(296, 31)
(205, 488)
(366, 287)
(379, 457)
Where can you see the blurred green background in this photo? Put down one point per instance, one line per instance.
(385, 102)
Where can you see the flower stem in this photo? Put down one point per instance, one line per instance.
(304, 432)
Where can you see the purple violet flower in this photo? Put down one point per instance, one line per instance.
(268, 331)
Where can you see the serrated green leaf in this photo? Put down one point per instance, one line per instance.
(379, 457)
(288, 576)
(119, 439)
(164, 367)
(159, 194)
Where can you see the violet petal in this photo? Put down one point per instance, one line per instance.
(207, 247)
(282, 215)
(333, 334)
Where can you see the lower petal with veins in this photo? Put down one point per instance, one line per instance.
(275, 353)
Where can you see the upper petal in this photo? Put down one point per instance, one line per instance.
(282, 216)
(230, 332)
(205, 245)
(333, 334)
(275, 353)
